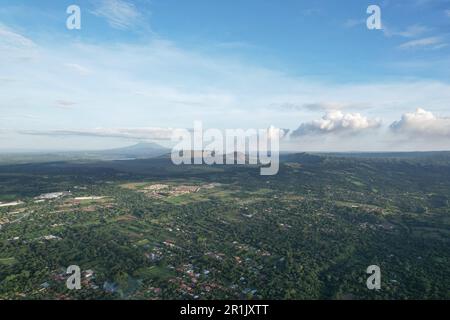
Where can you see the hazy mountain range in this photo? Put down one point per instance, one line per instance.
(141, 150)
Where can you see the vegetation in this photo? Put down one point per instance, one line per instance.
(226, 232)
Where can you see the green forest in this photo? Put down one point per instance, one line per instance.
(145, 229)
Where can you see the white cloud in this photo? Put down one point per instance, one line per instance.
(331, 106)
(81, 70)
(15, 46)
(120, 14)
(337, 122)
(351, 23)
(179, 97)
(8, 37)
(145, 133)
(410, 32)
(65, 104)
(422, 123)
(318, 106)
(430, 42)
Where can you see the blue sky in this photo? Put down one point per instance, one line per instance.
(136, 69)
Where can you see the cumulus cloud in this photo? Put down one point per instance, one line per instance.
(145, 133)
(337, 122)
(422, 123)
(274, 132)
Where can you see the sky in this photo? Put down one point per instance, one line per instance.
(136, 70)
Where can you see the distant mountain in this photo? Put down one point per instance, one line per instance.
(393, 155)
(316, 158)
(304, 158)
(142, 150)
(139, 151)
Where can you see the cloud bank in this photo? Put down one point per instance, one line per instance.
(337, 122)
(148, 133)
(422, 123)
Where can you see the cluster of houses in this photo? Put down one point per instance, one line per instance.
(61, 276)
(164, 190)
(53, 195)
